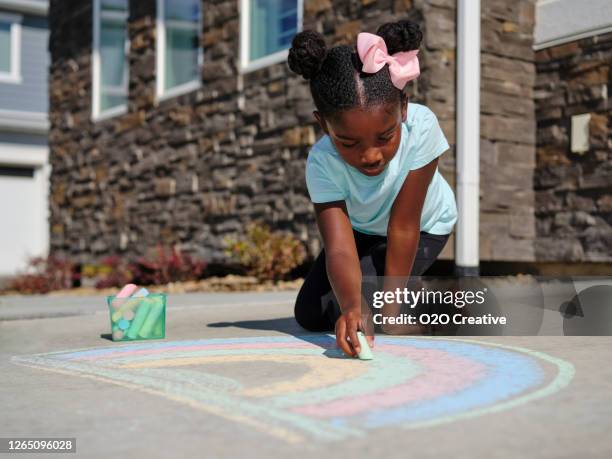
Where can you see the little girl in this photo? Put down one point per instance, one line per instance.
(381, 205)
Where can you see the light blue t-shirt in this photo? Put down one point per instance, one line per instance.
(369, 198)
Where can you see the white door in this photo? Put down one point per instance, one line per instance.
(24, 227)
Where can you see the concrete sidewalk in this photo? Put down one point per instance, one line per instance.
(225, 391)
(17, 307)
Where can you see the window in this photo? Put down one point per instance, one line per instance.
(179, 54)
(10, 45)
(267, 29)
(110, 65)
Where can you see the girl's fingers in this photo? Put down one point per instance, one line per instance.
(367, 326)
(341, 338)
(354, 340)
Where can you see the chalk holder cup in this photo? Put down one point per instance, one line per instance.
(137, 318)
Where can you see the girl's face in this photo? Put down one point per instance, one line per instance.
(367, 139)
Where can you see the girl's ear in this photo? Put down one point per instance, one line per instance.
(321, 121)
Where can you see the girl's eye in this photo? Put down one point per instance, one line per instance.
(350, 146)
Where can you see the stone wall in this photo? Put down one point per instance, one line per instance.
(507, 147)
(195, 168)
(574, 190)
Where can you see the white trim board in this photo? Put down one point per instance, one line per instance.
(20, 121)
(564, 21)
(14, 76)
(22, 154)
(26, 6)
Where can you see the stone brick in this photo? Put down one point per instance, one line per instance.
(597, 76)
(347, 32)
(604, 203)
(312, 7)
(299, 136)
(213, 36)
(559, 250)
(130, 121)
(565, 50)
(165, 187)
(582, 203)
(548, 201)
(401, 6)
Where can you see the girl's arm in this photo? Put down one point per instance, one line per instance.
(405, 221)
(343, 270)
(403, 231)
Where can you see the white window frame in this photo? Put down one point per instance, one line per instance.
(247, 66)
(160, 53)
(96, 69)
(14, 76)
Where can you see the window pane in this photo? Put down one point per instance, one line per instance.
(181, 56)
(273, 24)
(5, 47)
(289, 24)
(182, 27)
(114, 5)
(112, 64)
(184, 10)
(109, 101)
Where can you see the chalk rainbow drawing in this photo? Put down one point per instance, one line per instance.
(411, 383)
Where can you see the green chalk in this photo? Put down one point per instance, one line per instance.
(154, 314)
(139, 318)
(365, 352)
(159, 328)
(129, 303)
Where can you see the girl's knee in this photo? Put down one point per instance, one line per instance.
(309, 313)
(307, 318)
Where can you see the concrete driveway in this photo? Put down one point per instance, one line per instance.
(237, 377)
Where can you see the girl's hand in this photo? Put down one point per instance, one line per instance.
(347, 325)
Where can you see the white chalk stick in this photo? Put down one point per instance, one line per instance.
(365, 353)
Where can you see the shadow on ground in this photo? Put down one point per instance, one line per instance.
(289, 326)
(282, 324)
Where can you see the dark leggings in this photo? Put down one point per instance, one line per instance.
(316, 306)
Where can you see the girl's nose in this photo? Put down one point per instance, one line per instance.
(371, 157)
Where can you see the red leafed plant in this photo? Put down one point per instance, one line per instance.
(44, 275)
(165, 266)
(114, 271)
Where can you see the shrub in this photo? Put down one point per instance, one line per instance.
(113, 271)
(44, 275)
(266, 255)
(165, 266)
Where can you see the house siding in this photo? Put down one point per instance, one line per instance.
(30, 95)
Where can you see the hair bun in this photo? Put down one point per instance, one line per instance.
(307, 53)
(400, 36)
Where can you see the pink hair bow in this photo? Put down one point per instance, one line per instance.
(403, 66)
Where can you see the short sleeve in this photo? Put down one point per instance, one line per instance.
(431, 143)
(322, 187)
